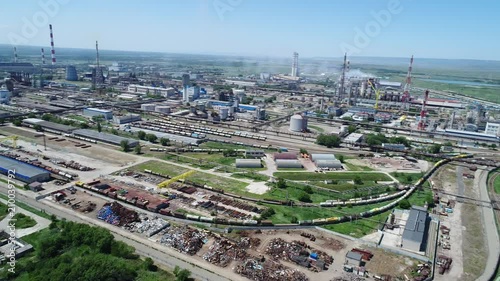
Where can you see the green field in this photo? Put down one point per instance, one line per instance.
(310, 176)
(353, 167)
(317, 128)
(4, 211)
(496, 184)
(27, 208)
(250, 175)
(360, 228)
(23, 221)
(229, 185)
(407, 178)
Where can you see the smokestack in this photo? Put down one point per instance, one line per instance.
(52, 45)
(15, 55)
(43, 56)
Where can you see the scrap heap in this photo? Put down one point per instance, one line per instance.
(148, 226)
(269, 270)
(223, 251)
(297, 251)
(184, 239)
(114, 213)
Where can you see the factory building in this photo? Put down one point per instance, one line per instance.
(124, 119)
(288, 163)
(328, 164)
(248, 163)
(91, 112)
(193, 93)
(415, 230)
(395, 146)
(104, 137)
(4, 96)
(24, 172)
(492, 128)
(71, 74)
(353, 258)
(47, 126)
(298, 123)
(163, 109)
(148, 90)
(354, 138)
(148, 107)
(254, 153)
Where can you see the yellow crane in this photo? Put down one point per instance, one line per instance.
(13, 140)
(377, 95)
(174, 179)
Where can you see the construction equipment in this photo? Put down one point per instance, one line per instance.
(377, 94)
(13, 140)
(177, 178)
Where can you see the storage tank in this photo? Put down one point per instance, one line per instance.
(223, 113)
(163, 109)
(248, 163)
(298, 123)
(285, 163)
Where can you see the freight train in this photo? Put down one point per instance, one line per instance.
(162, 208)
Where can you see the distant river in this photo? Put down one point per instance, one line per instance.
(465, 83)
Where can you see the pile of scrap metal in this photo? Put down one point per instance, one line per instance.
(444, 263)
(297, 251)
(223, 251)
(149, 226)
(184, 239)
(268, 270)
(308, 235)
(114, 213)
(422, 272)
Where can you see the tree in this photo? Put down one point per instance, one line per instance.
(32, 115)
(281, 183)
(47, 117)
(351, 129)
(409, 179)
(308, 189)
(294, 219)
(164, 141)
(404, 204)
(99, 127)
(304, 197)
(141, 135)
(430, 200)
(340, 157)
(84, 125)
(328, 140)
(150, 265)
(137, 149)
(267, 213)
(358, 180)
(17, 122)
(125, 145)
(183, 275)
(377, 129)
(228, 152)
(38, 127)
(2, 121)
(303, 151)
(435, 148)
(151, 137)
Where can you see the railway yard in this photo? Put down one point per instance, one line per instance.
(258, 200)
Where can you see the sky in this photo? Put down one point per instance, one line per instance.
(275, 28)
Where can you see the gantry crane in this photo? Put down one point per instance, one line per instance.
(174, 179)
(377, 94)
(13, 140)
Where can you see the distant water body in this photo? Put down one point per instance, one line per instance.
(465, 83)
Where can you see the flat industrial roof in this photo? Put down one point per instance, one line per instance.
(98, 110)
(49, 125)
(354, 137)
(171, 137)
(354, 255)
(416, 224)
(105, 137)
(21, 168)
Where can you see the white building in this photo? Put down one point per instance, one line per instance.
(4, 96)
(145, 90)
(492, 128)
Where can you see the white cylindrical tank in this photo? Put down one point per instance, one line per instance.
(223, 113)
(298, 123)
(163, 109)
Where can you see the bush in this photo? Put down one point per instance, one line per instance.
(281, 183)
(304, 197)
(294, 220)
(269, 212)
(404, 204)
(141, 135)
(308, 189)
(151, 137)
(358, 180)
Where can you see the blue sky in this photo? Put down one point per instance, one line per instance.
(314, 28)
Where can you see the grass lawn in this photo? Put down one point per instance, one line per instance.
(360, 228)
(218, 158)
(353, 167)
(294, 191)
(496, 184)
(229, 185)
(23, 221)
(318, 129)
(78, 117)
(250, 175)
(290, 169)
(27, 208)
(409, 178)
(310, 176)
(343, 185)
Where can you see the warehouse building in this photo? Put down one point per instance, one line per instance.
(104, 137)
(285, 155)
(288, 163)
(322, 156)
(353, 258)
(24, 172)
(394, 146)
(415, 230)
(248, 163)
(48, 126)
(328, 164)
(354, 138)
(91, 112)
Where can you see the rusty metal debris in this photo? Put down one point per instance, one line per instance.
(184, 239)
(300, 253)
(268, 270)
(147, 225)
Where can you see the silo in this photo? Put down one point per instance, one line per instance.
(71, 74)
(298, 123)
(223, 113)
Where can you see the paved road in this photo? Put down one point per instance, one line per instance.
(41, 223)
(493, 242)
(460, 183)
(160, 254)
